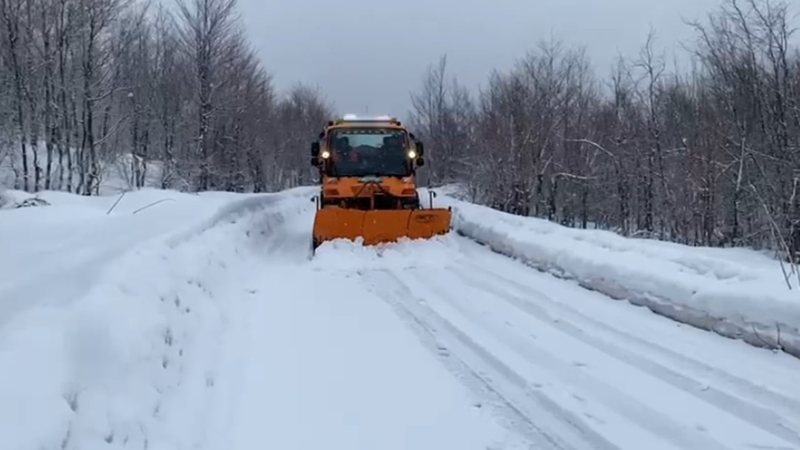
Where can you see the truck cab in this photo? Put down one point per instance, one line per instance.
(368, 164)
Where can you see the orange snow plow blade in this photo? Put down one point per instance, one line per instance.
(379, 226)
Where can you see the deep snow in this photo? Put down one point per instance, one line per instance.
(100, 319)
(738, 293)
(202, 322)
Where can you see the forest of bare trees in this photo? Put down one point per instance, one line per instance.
(89, 85)
(704, 156)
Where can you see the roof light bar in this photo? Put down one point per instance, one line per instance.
(356, 118)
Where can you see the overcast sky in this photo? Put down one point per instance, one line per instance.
(367, 55)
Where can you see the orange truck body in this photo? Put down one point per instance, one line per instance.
(370, 202)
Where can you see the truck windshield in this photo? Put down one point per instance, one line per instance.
(368, 152)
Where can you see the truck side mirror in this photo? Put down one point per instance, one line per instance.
(420, 148)
(315, 149)
(315, 161)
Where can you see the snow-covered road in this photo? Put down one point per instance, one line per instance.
(423, 345)
(321, 362)
(577, 370)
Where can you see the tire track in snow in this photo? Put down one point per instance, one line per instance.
(767, 420)
(548, 425)
(610, 396)
(758, 394)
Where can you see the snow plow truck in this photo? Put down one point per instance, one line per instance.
(367, 169)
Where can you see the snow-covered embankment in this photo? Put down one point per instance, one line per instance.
(734, 292)
(110, 323)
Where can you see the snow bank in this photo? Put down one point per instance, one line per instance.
(111, 324)
(734, 292)
(15, 199)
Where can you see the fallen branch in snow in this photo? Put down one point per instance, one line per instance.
(154, 204)
(116, 202)
(33, 201)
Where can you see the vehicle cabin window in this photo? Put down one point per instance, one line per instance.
(365, 152)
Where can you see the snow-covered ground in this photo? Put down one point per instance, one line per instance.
(737, 293)
(203, 322)
(99, 317)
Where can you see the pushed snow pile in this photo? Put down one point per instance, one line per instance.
(734, 292)
(110, 323)
(17, 199)
(347, 256)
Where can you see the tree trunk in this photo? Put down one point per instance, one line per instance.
(90, 167)
(12, 34)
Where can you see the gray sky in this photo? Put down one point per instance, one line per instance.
(367, 55)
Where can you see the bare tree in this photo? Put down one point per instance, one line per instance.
(209, 33)
(696, 156)
(11, 14)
